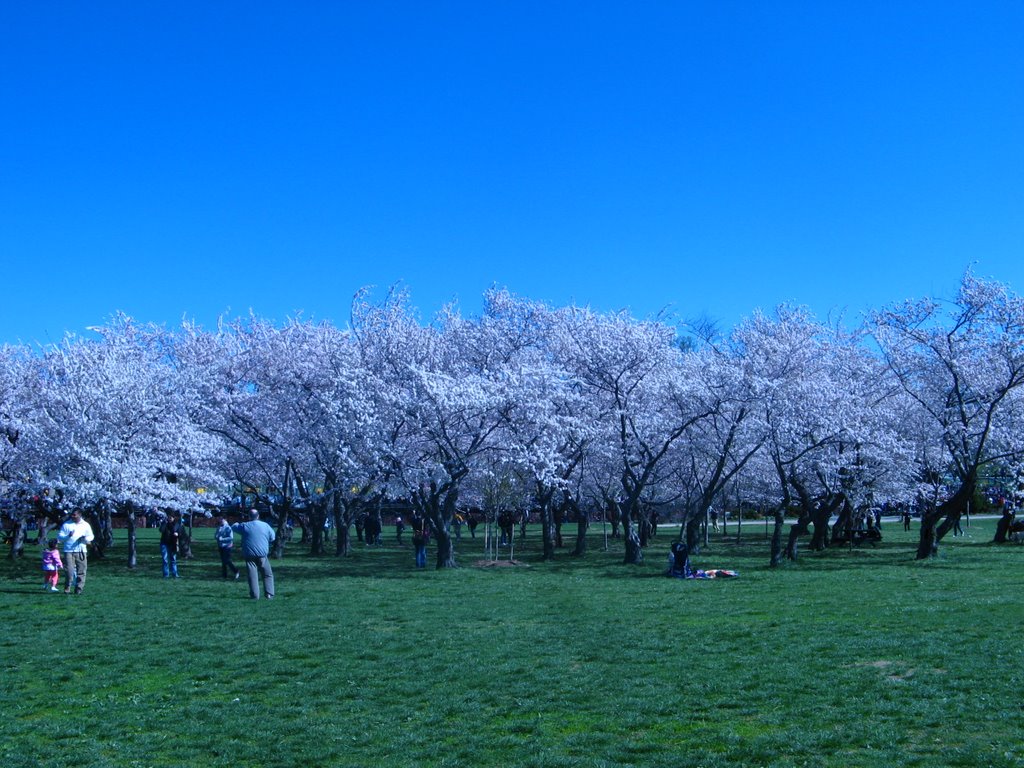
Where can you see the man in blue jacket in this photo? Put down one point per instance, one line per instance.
(257, 537)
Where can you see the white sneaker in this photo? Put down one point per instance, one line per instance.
(54, 589)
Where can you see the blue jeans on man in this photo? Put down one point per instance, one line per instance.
(169, 555)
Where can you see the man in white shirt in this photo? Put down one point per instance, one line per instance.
(74, 538)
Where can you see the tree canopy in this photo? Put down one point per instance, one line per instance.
(565, 409)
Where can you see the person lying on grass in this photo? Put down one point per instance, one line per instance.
(679, 565)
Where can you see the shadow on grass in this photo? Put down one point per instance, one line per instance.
(24, 591)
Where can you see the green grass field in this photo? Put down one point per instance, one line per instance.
(845, 658)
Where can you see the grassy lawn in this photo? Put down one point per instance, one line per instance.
(845, 658)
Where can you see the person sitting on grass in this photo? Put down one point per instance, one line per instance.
(1005, 525)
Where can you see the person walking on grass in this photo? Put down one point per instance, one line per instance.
(225, 543)
(74, 537)
(51, 565)
(257, 537)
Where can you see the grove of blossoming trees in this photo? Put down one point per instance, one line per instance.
(559, 410)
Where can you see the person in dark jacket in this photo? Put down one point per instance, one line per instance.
(420, 537)
(170, 533)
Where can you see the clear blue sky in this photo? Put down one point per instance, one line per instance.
(184, 158)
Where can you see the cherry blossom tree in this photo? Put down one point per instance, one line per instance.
(550, 425)
(16, 434)
(14, 406)
(832, 442)
(629, 371)
(289, 402)
(962, 365)
(717, 401)
(448, 397)
(116, 428)
(555, 410)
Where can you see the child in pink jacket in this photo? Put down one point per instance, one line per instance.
(51, 565)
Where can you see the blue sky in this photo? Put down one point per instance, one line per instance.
(180, 158)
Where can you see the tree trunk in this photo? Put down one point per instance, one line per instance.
(343, 541)
(691, 532)
(18, 538)
(582, 524)
(549, 520)
(445, 550)
(843, 529)
(634, 552)
(45, 526)
(283, 510)
(951, 509)
(547, 524)
(133, 540)
(644, 528)
(927, 544)
(820, 518)
(107, 524)
(185, 540)
(798, 529)
(780, 521)
(317, 518)
(101, 533)
(437, 505)
(614, 516)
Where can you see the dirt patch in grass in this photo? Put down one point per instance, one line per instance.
(895, 675)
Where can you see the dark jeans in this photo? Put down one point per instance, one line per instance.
(225, 562)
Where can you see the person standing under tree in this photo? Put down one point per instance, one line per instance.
(420, 536)
(225, 543)
(257, 537)
(170, 531)
(75, 536)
